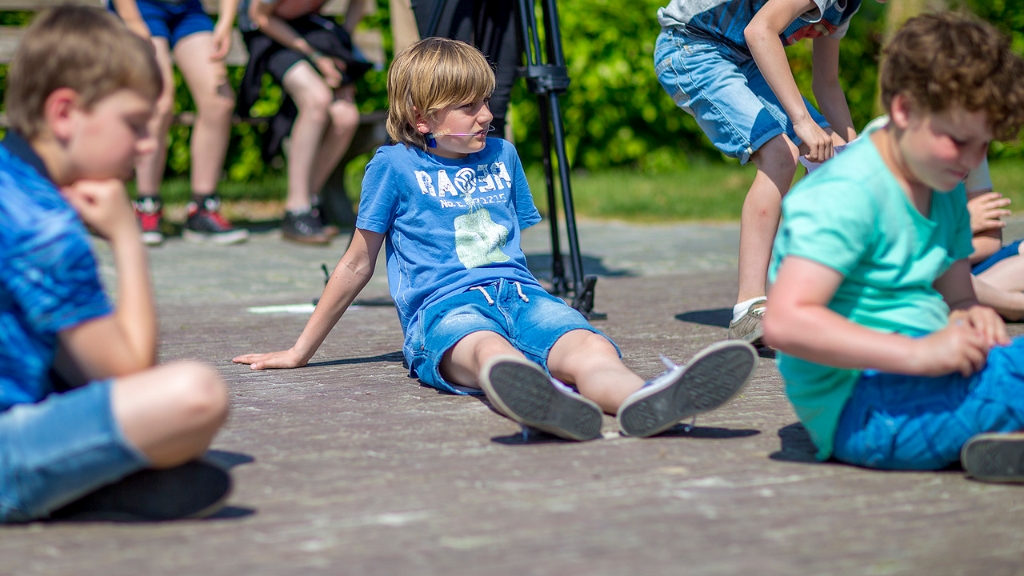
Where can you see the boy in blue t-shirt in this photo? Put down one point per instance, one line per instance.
(123, 444)
(888, 359)
(451, 204)
(724, 62)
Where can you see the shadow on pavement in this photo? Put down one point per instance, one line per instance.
(719, 317)
(389, 357)
(796, 445)
(540, 265)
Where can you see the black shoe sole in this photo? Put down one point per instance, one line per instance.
(711, 379)
(192, 490)
(994, 457)
(523, 392)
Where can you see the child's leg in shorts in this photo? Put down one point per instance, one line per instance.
(149, 169)
(215, 102)
(71, 444)
(582, 358)
(900, 422)
(736, 109)
(344, 120)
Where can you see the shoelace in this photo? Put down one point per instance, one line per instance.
(672, 366)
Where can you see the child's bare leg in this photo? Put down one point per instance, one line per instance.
(590, 362)
(776, 163)
(344, 121)
(462, 363)
(172, 412)
(208, 83)
(313, 98)
(149, 169)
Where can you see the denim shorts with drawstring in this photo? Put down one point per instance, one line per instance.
(527, 316)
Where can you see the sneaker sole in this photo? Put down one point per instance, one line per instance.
(152, 238)
(994, 457)
(522, 391)
(711, 379)
(226, 238)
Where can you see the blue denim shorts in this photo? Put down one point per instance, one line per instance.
(899, 422)
(724, 90)
(55, 451)
(527, 316)
(1011, 249)
(173, 21)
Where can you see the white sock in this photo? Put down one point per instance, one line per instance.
(740, 310)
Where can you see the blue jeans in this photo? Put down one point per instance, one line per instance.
(1011, 249)
(58, 450)
(724, 90)
(527, 316)
(899, 422)
(173, 21)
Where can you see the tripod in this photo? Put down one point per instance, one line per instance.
(547, 77)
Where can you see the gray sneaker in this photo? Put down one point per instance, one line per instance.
(748, 328)
(994, 457)
(521, 390)
(711, 378)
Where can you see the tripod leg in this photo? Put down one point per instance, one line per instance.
(559, 283)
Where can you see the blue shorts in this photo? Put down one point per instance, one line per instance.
(1011, 249)
(724, 90)
(173, 20)
(58, 450)
(898, 422)
(527, 316)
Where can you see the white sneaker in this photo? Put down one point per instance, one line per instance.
(521, 390)
(712, 378)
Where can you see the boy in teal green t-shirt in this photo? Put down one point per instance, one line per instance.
(888, 359)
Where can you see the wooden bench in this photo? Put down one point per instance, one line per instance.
(370, 134)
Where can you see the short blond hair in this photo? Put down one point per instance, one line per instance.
(951, 59)
(428, 76)
(86, 49)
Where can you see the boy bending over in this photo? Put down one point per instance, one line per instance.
(80, 92)
(451, 204)
(888, 359)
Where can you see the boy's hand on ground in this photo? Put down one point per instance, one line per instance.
(987, 212)
(104, 206)
(283, 359)
(985, 321)
(816, 144)
(956, 348)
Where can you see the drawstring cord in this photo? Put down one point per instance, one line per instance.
(490, 301)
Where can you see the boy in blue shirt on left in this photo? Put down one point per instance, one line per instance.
(124, 446)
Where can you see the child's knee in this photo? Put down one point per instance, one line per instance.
(316, 100)
(344, 116)
(199, 393)
(778, 156)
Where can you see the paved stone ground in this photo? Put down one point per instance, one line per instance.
(348, 466)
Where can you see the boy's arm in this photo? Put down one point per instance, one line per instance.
(349, 278)
(128, 10)
(958, 291)
(987, 209)
(356, 11)
(762, 35)
(124, 342)
(262, 14)
(827, 90)
(799, 323)
(226, 13)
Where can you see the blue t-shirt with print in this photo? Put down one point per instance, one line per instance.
(450, 224)
(725, 20)
(48, 276)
